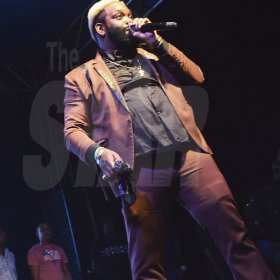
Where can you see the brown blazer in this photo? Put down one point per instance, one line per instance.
(96, 112)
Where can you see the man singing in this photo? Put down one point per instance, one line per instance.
(126, 104)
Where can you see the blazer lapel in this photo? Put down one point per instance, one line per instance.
(106, 74)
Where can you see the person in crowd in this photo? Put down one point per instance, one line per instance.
(47, 261)
(262, 218)
(7, 259)
(110, 251)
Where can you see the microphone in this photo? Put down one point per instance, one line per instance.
(159, 26)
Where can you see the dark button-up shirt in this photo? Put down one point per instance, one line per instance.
(156, 125)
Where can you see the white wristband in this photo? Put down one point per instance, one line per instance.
(97, 154)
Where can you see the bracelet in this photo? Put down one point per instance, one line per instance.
(97, 154)
(156, 43)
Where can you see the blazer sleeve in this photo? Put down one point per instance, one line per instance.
(179, 64)
(77, 122)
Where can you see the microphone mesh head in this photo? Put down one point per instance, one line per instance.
(172, 25)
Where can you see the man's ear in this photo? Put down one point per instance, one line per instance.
(100, 29)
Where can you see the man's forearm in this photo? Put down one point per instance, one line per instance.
(176, 61)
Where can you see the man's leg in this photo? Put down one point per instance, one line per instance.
(206, 195)
(146, 223)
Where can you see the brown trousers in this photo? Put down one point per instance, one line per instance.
(194, 178)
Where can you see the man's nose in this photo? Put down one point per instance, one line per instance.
(128, 20)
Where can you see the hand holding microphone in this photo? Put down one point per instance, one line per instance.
(145, 30)
(106, 158)
(125, 184)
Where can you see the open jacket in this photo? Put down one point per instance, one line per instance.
(96, 112)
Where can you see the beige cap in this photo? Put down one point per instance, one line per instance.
(94, 11)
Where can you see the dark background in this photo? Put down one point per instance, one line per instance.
(234, 42)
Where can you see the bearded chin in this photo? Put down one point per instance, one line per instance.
(121, 39)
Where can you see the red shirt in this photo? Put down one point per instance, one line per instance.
(49, 259)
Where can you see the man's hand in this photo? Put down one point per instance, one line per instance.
(107, 163)
(146, 37)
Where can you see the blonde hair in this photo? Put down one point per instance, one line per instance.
(94, 11)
